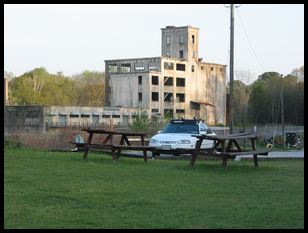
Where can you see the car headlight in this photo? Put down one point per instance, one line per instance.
(184, 142)
(154, 141)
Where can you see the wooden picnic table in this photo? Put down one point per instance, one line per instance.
(125, 143)
(227, 146)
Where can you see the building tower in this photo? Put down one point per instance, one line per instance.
(180, 42)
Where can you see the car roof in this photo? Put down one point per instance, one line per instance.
(185, 121)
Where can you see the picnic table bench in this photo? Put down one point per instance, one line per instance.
(115, 149)
(232, 149)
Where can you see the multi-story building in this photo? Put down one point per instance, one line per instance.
(178, 82)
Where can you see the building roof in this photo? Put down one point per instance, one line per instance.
(174, 27)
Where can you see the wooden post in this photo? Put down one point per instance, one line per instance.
(145, 157)
(113, 153)
(224, 156)
(255, 156)
(195, 152)
(224, 161)
(85, 153)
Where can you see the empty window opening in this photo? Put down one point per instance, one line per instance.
(180, 67)
(180, 111)
(192, 68)
(168, 65)
(168, 40)
(168, 81)
(125, 68)
(139, 80)
(181, 53)
(154, 80)
(180, 82)
(155, 110)
(139, 66)
(168, 97)
(153, 66)
(85, 115)
(74, 115)
(180, 97)
(154, 96)
(193, 39)
(113, 68)
(106, 116)
(212, 68)
(181, 39)
(168, 112)
(139, 96)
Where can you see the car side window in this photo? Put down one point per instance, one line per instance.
(202, 128)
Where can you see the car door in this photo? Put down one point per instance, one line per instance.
(205, 130)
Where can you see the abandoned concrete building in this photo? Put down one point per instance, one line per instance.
(178, 81)
(38, 119)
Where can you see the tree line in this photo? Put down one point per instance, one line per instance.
(39, 87)
(261, 101)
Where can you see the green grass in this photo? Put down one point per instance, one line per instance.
(61, 190)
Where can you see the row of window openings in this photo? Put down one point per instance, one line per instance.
(178, 111)
(168, 97)
(180, 67)
(125, 68)
(167, 65)
(181, 54)
(181, 39)
(93, 116)
(168, 81)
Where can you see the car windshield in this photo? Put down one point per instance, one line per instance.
(181, 128)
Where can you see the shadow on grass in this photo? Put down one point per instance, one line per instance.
(215, 166)
(234, 167)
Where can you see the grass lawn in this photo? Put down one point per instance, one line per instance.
(61, 190)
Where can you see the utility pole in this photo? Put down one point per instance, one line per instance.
(231, 120)
(231, 112)
(282, 113)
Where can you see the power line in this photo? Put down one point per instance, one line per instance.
(250, 44)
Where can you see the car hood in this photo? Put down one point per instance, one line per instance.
(173, 137)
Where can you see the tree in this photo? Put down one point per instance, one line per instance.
(259, 104)
(90, 87)
(42, 88)
(265, 99)
(299, 73)
(241, 90)
(240, 100)
(8, 75)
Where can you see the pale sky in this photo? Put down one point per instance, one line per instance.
(74, 38)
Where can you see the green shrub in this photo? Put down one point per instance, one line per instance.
(11, 142)
(140, 122)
